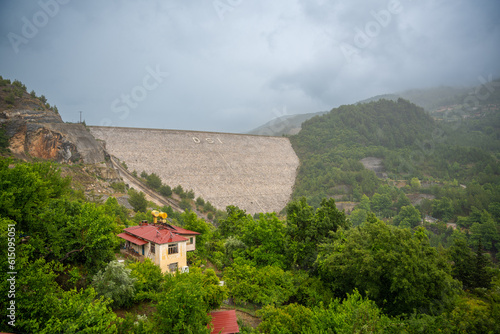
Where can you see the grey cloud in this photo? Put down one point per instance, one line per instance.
(232, 74)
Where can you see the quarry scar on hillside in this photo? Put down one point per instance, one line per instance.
(255, 173)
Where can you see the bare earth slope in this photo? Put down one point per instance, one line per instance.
(256, 173)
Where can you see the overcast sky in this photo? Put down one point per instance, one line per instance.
(232, 65)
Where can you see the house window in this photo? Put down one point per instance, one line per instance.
(173, 249)
(172, 267)
(191, 240)
(152, 248)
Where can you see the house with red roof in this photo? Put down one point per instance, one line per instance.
(166, 245)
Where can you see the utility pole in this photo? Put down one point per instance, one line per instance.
(80, 117)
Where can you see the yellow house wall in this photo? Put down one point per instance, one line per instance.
(190, 247)
(165, 259)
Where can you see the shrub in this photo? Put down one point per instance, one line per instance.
(178, 190)
(153, 181)
(10, 98)
(165, 191)
(118, 186)
(115, 283)
(137, 200)
(185, 204)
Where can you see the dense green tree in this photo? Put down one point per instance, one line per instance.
(463, 262)
(402, 201)
(264, 239)
(43, 307)
(408, 217)
(265, 285)
(185, 204)
(399, 270)
(306, 228)
(442, 208)
(137, 200)
(206, 230)
(178, 190)
(481, 275)
(355, 314)
(26, 189)
(148, 279)
(153, 181)
(381, 204)
(485, 232)
(364, 204)
(358, 217)
(112, 208)
(79, 312)
(165, 190)
(184, 307)
(235, 222)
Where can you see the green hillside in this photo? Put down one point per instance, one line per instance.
(330, 147)
(408, 141)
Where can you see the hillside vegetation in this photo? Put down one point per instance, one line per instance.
(330, 146)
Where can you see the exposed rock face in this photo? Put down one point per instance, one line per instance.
(43, 134)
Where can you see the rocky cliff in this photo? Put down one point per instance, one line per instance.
(35, 131)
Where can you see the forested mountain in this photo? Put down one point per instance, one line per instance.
(330, 147)
(409, 142)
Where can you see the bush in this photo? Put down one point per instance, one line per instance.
(178, 190)
(10, 98)
(4, 140)
(115, 283)
(190, 194)
(165, 191)
(200, 201)
(137, 200)
(153, 181)
(118, 186)
(185, 204)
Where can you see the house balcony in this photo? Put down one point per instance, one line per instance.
(132, 253)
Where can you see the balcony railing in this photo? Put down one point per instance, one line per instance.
(131, 253)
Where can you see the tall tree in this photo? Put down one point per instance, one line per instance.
(399, 270)
(306, 228)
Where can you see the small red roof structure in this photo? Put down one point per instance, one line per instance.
(224, 322)
(132, 239)
(157, 233)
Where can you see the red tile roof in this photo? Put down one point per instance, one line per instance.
(183, 231)
(132, 239)
(159, 234)
(224, 322)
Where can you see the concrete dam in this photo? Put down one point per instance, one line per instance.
(255, 173)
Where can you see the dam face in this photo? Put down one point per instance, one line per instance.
(255, 173)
